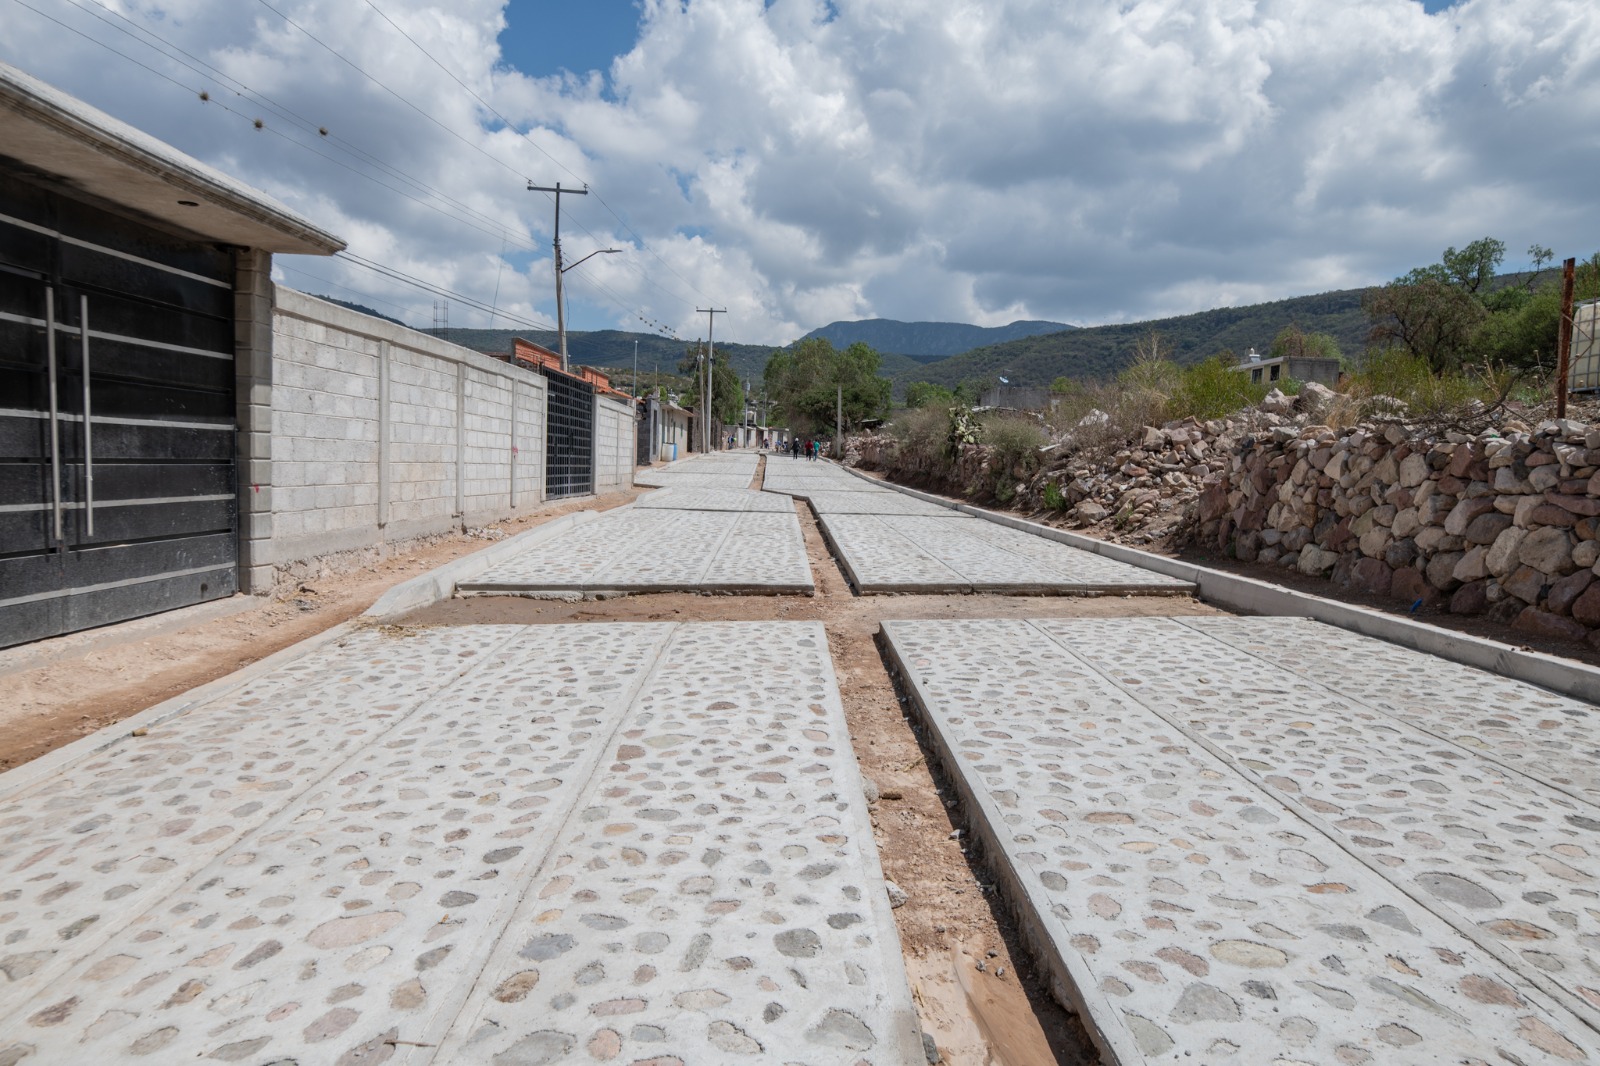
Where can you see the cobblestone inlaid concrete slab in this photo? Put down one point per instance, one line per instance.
(877, 560)
(1513, 863)
(100, 840)
(724, 482)
(695, 499)
(363, 910)
(662, 550)
(717, 899)
(587, 801)
(878, 501)
(892, 553)
(778, 479)
(707, 471)
(1541, 734)
(1195, 915)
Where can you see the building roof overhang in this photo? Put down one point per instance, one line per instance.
(63, 139)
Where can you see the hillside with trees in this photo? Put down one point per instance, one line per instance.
(1100, 352)
(612, 349)
(925, 342)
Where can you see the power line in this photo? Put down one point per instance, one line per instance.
(537, 146)
(502, 229)
(438, 290)
(244, 91)
(509, 124)
(355, 67)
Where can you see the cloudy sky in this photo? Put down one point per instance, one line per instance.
(801, 161)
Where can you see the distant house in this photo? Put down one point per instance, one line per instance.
(1264, 371)
(1016, 398)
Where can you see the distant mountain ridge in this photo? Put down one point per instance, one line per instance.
(929, 341)
(1099, 352)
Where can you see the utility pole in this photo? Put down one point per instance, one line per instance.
(561, 305)
(636, 370)
(711, 357)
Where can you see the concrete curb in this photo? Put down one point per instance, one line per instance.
(22, 777)
(424, 590)
(1246, 595)
(1070, 982)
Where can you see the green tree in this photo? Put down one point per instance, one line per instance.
(727, 394)
(927, 394)
(1471, 269)
(1295, 343)
(804, 380)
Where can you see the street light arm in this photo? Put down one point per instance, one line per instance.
(591, 255)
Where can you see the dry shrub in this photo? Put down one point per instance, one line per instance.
(923, 436)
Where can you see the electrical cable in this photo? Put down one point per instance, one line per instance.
(438, 290)
(537, 146)
(291, 116)
(247, 92)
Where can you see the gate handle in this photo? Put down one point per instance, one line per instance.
(55, 410)
(88, 442)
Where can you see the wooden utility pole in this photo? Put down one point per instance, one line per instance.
(711, 364)
(1564, 343)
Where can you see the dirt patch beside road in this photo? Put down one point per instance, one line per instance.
(62, 689)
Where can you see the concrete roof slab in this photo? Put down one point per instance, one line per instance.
(65, 139)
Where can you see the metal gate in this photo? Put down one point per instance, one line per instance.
(117, 492)
(569, 436)
(645, 424)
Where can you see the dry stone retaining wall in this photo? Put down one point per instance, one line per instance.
(1505, 523)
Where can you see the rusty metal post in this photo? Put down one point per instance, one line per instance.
(1564, 342)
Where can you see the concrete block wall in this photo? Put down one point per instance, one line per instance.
(615, 445)
(381, 434)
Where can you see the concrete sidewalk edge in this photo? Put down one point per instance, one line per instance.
(29, 773)
(437, 584)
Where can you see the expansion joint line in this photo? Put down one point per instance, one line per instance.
(1511, 769)
(450, 1006)
(1509, 959)
(153, 895)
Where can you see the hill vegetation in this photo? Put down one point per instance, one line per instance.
(1097, 353)
(926, 342)
(612, 349)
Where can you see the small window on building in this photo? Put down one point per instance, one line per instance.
(1275, 372)
(1255, 377)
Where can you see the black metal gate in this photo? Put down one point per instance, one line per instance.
(645, 424)
(569, 436)
(117, 491)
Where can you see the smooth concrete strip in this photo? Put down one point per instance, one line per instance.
(440, 583)
(88, 849)
(717, 897)
(1249, 596)
(1181, 906)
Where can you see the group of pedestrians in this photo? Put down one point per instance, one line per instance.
(809, 448)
